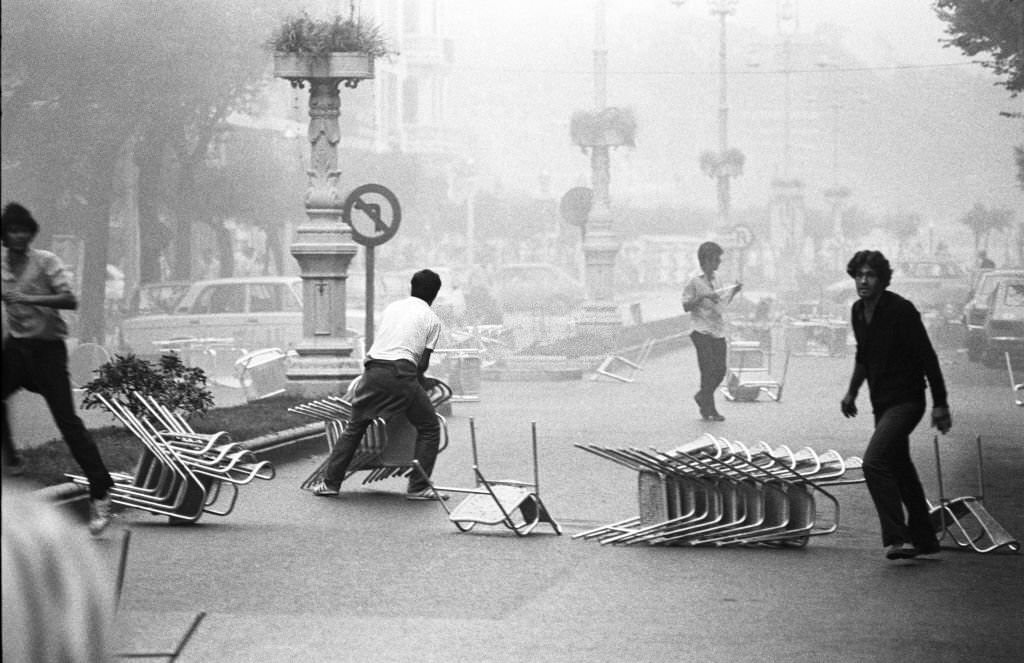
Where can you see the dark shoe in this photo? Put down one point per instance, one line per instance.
(930, 548)
(15, 467)
(321, 489)
(425, 495)
(714, 416)
(901, 551)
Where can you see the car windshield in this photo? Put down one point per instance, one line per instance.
(157, 299)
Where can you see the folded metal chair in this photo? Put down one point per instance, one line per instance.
(747, 384)
(966, 519)
(388, 447)
(1017, 388)
(516, 505)
(712, 491)
(161, 484)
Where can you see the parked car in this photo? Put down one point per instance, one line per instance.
(536, 287)
(464, 299)
(251, 313)
(933, 285)
(156, 298)
(1004, 324)
(975, 311)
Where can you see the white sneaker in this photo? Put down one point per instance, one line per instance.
(99, 515)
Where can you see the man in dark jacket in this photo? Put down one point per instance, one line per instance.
(895, 356)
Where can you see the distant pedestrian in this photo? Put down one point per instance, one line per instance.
(984, 262)
(35, 289)
(895, 356)
(704, 299)
(392, 383)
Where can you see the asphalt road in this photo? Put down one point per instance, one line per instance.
(372, 577)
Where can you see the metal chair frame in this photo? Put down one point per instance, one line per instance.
(517, 505)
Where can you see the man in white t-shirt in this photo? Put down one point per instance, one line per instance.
(392, 383)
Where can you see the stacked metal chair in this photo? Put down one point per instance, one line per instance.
(713, 491)
(388, 446)
(180, 472)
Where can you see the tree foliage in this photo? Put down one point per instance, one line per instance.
(995, 27)
(87, 84)
(983, 221)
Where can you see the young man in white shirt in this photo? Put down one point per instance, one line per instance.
(392, 383)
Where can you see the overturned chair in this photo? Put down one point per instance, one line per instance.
(718, 492)
(180, 473)
(752, 376)
(513, 504)
(966, 519)
(388, 447)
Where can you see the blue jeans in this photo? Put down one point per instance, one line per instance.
(42, 367)
(385, 389)
(711, 356)
(892, 478)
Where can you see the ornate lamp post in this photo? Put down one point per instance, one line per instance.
(323, 244)
(598, 132)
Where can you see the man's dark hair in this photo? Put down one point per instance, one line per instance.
(16, 216)
(425, 285)
(708, 250)
(876, 260)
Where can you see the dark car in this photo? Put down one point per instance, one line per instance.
(976, 310)
(1004, 325)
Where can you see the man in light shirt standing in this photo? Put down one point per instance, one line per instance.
(392, 383)
(704, 299)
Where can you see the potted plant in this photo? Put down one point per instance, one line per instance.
(344, 48)
(609, 127)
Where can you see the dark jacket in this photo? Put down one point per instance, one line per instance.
(896, 353)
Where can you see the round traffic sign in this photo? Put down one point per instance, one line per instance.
(575, 205)
(373, 213)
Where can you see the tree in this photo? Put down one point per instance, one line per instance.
(995, 27)
(982, 221)
(903, 226)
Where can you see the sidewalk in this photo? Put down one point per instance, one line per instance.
(372, 577)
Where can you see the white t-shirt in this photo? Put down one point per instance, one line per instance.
(407, 327)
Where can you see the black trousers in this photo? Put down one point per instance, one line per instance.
(385, 389)
(42, 367)
(711, 357)
(892, 478)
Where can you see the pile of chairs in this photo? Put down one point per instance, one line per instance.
(388, 446)
(180, 472)
(713, 491)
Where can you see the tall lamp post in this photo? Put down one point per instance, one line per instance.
(323, 244)
(600, 244)
(726, 168)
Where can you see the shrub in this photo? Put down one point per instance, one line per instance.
(171, 383)
(304, 35)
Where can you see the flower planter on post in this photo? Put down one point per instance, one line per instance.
(323, 244)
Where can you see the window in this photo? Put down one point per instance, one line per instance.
(221, 299)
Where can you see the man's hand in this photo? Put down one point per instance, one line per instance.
(848, 405)
(13, 296)
(941, 419)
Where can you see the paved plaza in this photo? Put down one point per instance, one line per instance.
(370, 576)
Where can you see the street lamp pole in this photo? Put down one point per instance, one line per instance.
(722, 9)
(600, 244)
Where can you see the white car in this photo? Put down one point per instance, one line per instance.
(248, 313)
